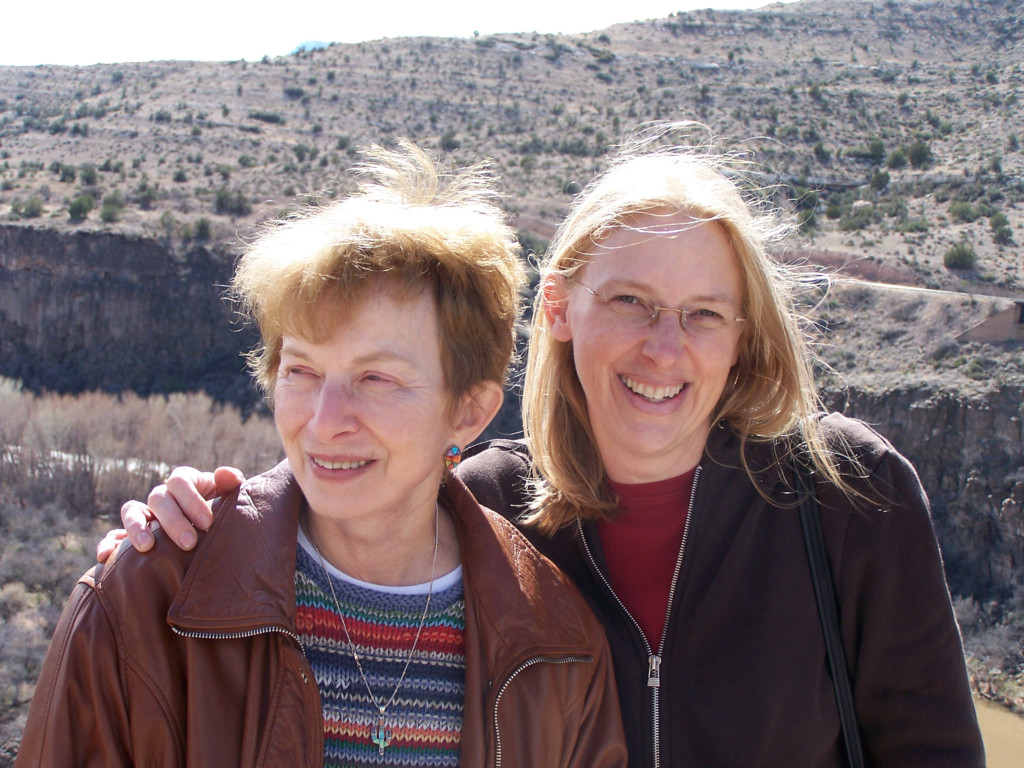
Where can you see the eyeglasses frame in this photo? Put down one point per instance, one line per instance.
(658, 309)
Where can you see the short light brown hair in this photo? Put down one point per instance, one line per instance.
(771, 387)
(409, 222)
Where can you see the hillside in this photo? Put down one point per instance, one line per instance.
(839, 92)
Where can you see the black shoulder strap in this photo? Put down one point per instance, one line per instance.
(825, 594)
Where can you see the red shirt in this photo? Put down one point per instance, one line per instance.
(642, 544)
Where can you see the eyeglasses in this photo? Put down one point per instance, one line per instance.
(639, 311)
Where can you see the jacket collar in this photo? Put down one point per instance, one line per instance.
(241, 577)
(524, 605)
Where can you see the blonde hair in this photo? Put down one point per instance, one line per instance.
(406, 221)
(771, 387)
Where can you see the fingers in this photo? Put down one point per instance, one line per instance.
(135, 517)
(227, 479)
(109, 543)
(180, 506)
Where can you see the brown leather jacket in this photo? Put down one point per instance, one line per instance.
(227, 682)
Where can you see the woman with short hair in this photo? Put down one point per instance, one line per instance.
(354, 606)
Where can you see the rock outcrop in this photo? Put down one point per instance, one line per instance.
(969, 453)
(104, 311)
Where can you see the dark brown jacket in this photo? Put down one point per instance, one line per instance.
(120, 688)
(744, 678)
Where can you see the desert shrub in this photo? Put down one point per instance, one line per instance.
(919, 154)
(231, 202)
(879, 180)
(87, 173)
(910, 226)
(110, 211)
(80, 207)
(33, 208)
(168, 223)
(897, 159)
(180, 177)
(859, 217)
(203, 230)
(449, 141)
(1002, 236)
(960, 210)
(1000, 225)
(267, 117)
(294, 92)
(960, 256)
(876, 150)
(806, 221)
(146, 195)
(998, 219)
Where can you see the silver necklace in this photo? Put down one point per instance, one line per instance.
(382, 735)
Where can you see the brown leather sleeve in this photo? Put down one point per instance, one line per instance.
(78, 715)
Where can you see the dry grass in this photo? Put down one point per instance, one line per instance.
(66, 465)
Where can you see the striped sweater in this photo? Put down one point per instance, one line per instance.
(422, 724)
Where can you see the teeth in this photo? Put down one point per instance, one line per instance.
(340, 464)
(654, 394)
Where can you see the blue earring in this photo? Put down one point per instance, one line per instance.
(452, 457)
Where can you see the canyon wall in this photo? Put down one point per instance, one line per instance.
(84, 311)
(969, 453)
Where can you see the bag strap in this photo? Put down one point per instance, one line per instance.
(825, 595)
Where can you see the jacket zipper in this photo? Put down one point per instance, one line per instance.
(653, 659)
(515, 672)
(238, 635)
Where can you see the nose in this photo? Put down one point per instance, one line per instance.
(665, 340)
(336, 412)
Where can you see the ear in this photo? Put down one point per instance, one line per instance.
(476, 411)
(555, 296)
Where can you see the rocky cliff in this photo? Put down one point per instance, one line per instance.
(969, 453)
(107, 311)
(114, 312)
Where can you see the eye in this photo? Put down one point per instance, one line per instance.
(704, 317)
(377, 379)
(632, 305)
(709, 313)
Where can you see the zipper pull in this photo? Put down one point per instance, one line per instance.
(654, 671)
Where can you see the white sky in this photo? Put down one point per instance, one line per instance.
(102, 31)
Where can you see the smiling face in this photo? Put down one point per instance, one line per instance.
(365, 416)
(651, 389)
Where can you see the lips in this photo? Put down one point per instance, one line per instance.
(325, 464)
(648, 392)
